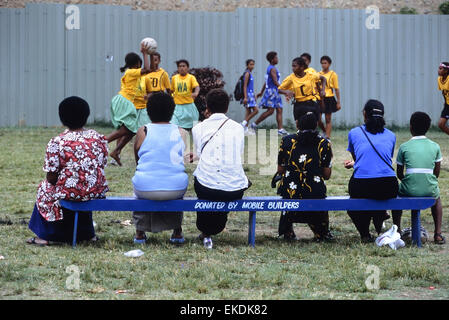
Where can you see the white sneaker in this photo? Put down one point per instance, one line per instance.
(251, 132)
(207, 243)
(282, 132)
(253, 126)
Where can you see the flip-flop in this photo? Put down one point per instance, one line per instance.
(33, 241)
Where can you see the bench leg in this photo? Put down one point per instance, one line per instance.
(416, 227)
(252, 229)
(75, 229)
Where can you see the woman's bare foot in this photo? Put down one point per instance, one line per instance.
(116, 156)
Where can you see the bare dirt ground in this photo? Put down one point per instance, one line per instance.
(385, 6)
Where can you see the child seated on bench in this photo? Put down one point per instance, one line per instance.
(421, 158)
(74, 162)
(304, 161)
(160, 172)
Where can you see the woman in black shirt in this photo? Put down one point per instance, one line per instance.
(304, 161)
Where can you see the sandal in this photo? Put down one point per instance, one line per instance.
(439, 239)
(34, 242)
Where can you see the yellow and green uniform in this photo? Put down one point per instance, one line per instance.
(132, 85)
(157, 81)
(130, 96)
(182, 88)
(141, 91)
(186, 114)
(152, 82)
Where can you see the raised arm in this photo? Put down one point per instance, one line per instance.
(146, 64)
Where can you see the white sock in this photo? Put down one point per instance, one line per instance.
(244, 123)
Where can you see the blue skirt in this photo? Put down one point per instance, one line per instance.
(271, 99)
(62, 230)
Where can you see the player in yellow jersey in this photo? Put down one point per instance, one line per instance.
(185, 89)
(123, 109)
(308, 59)
(157, 80)
(330, 104)
(301, 86)
(443, 85)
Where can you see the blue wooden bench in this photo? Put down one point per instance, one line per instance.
(253, 205)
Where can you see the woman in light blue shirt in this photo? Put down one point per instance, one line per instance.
(160, 172)
(372, 148)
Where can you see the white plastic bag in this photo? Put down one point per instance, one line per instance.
(391, 237)
(134, 253)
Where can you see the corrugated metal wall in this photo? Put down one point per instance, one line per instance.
(41, 61)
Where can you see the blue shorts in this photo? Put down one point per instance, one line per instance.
(271, 99)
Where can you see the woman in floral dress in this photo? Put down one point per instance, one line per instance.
(74, 163)
(304, 161)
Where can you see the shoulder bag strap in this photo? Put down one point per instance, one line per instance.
(202, 148)
(372, 145)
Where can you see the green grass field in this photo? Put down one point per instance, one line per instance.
(273, 269)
